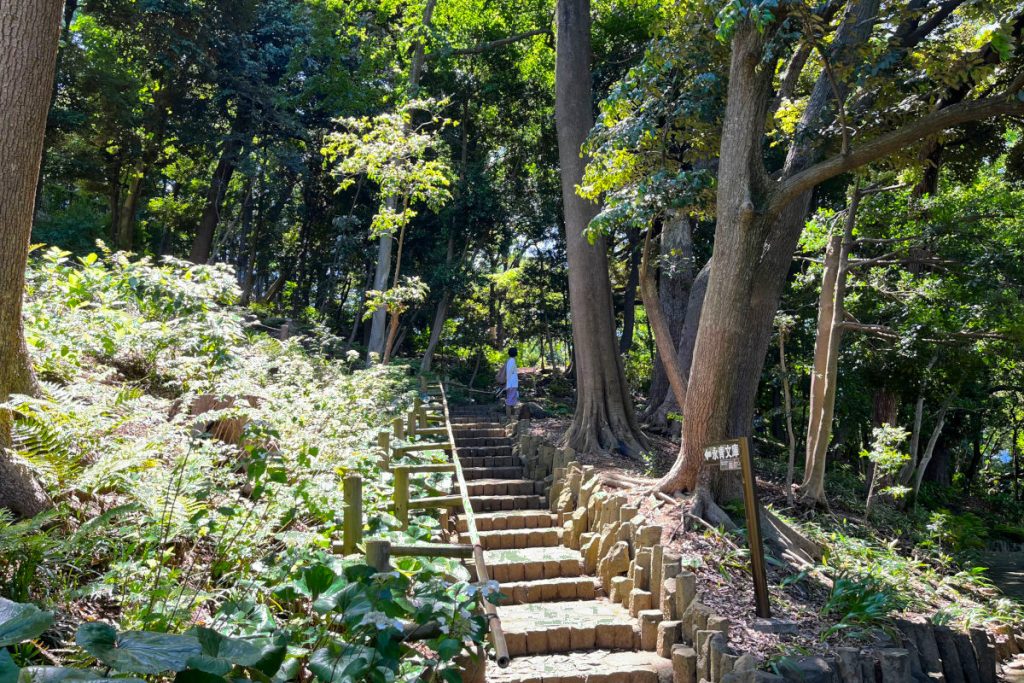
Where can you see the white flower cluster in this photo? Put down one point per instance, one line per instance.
(381, 621)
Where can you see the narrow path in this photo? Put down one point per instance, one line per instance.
(558, 625)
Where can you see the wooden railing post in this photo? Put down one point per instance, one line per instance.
(402, 495)
(384, 443)
(378, 554)
(352, 518)
(398, 427)
(411, 429)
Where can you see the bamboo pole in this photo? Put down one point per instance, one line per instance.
(432, 550)
(501, 656)
(352, 513)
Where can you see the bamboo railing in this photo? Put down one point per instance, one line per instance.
(379, 552)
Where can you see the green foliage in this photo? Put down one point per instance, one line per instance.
(209, 550)
(860, 604)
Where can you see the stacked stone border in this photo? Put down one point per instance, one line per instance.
(623, 549)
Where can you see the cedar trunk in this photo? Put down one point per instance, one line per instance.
(28, 54)
(604, 418)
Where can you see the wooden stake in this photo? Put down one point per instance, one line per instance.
(398, 427)
(378, 554)
(402, 496)
(411, 431)
(352, 517)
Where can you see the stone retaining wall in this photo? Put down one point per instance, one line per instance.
(635, 569)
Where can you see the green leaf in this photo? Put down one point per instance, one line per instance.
(448, 648)
(197, 676)
(314, 581)
(21, 621)
(8, 669)
(143, 652)
(341, 662)
(328, 599)
(220, 653)
(58, 674)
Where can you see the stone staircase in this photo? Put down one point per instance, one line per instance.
(559, 626)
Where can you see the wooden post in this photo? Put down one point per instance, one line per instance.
(402, 495)
(378, 554)
(423, 384)
(411, 430)
(352, 518)
(762, 607)
(384, 443)
(398, 427)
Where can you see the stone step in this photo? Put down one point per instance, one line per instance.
(475, 441)
(484, 451)
(575, 667)
(462, 432)
(475, 473)
(507, 539)
(488, 461)
(533, 564)
(549, 590)
(504, 487)
(496, 503)
(547, 628)
(522, 519)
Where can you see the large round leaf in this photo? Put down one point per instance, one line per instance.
(20, 621)
(220, 653)
(143, 652)
(341, 662)
(60, 674)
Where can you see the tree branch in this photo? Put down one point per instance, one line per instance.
(484, 47)
(886, 332)
(892, 141)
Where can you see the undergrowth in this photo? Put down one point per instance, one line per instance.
(170, 517)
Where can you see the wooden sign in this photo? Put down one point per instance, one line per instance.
(735, 455)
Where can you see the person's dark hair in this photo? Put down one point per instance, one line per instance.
(512, 352)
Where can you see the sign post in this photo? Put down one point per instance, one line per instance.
(735, 455)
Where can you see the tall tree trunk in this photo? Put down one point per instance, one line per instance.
(629, 297)
(604, 418)
(674, 282)
(29, 31)
(660, 326)
(384, 244)
(926, 457)
(788, 409)
(124, 230)
(684, 348)
(724, 321)
(441, 313)
(825, 378)
(230, 154)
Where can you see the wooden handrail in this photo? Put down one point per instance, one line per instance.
(494, 622)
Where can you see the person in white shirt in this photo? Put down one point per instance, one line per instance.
(511, 382)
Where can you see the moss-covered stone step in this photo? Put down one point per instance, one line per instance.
(504, 487)
(501, 539)
(566, 588)
(551, 627)
(474, 473)
(533, 564)
(519, 519)
(497, 503)
(583, 667)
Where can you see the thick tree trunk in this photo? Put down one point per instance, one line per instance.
(675, 279)
(29, 31)
(440, 315)
(604, 418)
(724, 321)
(124, 232)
